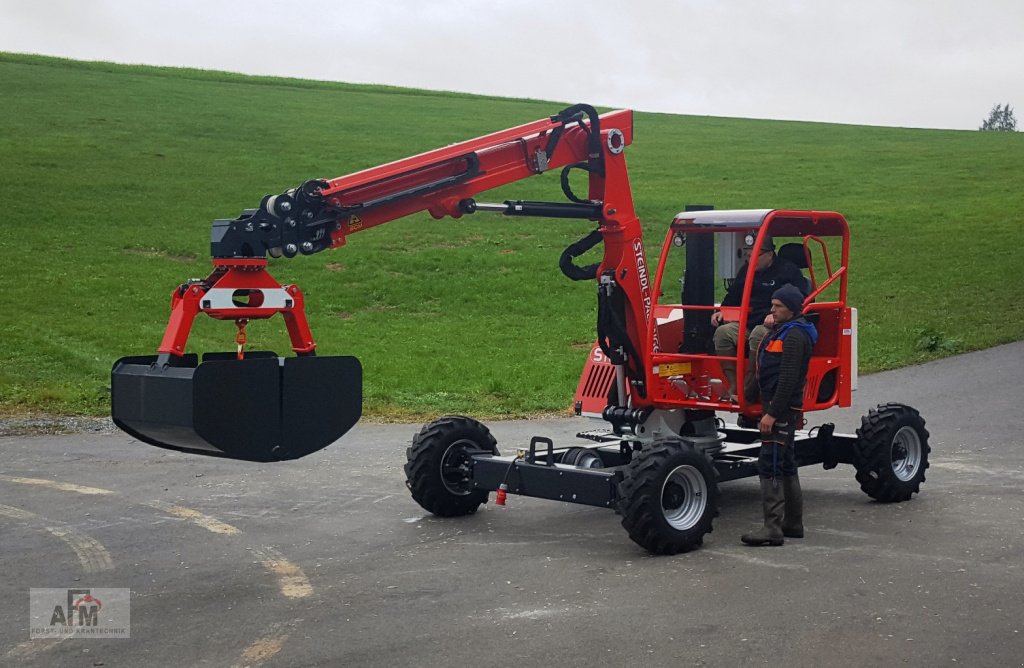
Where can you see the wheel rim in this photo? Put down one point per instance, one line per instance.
(684, 496)
(906, 453)
(456, 467)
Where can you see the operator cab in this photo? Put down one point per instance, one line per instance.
(703, 253)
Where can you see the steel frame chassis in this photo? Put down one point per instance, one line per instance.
(540, 473)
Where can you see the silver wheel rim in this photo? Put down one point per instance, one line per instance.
(455, 466)
(906, 453)
(684, 496)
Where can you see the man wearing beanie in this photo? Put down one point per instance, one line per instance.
(770, 273)
(782, 360)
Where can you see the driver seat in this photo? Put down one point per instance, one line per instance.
(794, 252)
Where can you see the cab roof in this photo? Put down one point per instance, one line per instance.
(781, 222)
(743, 218)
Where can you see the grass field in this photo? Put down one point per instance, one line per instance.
(110, 176)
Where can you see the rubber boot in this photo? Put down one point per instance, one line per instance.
(793, 519)
(772, 501)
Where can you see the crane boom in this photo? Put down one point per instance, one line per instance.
(320, 214)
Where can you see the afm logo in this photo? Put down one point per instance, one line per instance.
(82, 613)
(82, 607)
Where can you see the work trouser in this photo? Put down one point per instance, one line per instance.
(727, 338)
(777, 458)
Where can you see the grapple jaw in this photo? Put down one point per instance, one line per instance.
(261, 408)
(253, 406)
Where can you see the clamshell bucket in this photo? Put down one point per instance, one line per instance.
(261, 408)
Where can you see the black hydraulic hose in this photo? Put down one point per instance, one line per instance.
(605, 322)
(575, 112)
(613, 335)
(567, 187)
(572, 251)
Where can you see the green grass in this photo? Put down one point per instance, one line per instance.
(110, 176)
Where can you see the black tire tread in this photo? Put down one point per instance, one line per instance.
(872, 453)
(422, 468)
(641, 514)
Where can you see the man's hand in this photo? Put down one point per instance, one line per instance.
(716, 318)
(766, 424)
(769, 321)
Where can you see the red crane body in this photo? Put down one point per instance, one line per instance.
(652, 374)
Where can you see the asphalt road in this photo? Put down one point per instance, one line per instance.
(327, 561)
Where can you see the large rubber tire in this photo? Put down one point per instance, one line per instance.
(891, 453)
(438, 469)
(668, 497)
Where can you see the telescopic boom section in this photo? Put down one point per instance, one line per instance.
(320, 214)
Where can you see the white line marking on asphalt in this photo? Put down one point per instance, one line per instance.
(958, 467)
(261, 651)
(199, 519)
(290, 578)
(540, 613)
(859, 535)
(902, 555)
(17, 513)
(26, 650)
(757, 561)
(90, 552)
(56, 484)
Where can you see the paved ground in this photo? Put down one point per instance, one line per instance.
(327, 561)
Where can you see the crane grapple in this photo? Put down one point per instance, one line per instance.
(261, 408)
(253, 406)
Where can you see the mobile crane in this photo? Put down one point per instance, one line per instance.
(651, 377)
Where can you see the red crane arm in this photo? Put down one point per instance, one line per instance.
(320, 214)
(469, 167)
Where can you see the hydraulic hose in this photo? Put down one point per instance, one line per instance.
(572, 270)
(612, 333)
(567, 187)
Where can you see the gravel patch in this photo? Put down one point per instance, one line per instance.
(55, 424)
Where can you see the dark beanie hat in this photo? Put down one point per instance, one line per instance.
(791, 296)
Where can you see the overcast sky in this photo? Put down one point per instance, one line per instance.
(913, 63)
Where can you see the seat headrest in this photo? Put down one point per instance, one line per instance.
(793, 252)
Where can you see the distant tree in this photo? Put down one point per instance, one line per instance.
(1000, 119)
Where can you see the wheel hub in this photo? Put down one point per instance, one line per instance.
(683, 497)
(457, 465)
(906, 453)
